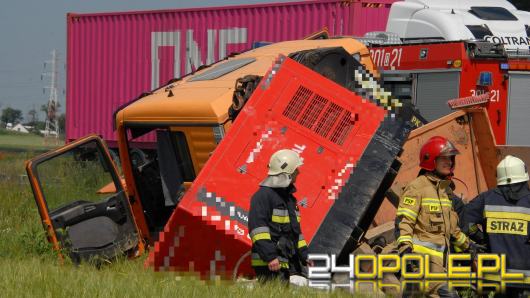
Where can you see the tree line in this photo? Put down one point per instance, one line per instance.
(15, 116)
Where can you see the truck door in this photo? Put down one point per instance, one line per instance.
(517, 132)
(433, 90)
(82, 203)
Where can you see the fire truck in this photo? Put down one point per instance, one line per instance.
(453, 49)
(429, 74)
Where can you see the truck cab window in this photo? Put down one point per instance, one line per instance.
(182, 153)
(492, 13)
(478, 31)
(221, 69)
(160, 171)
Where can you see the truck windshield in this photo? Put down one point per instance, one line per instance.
(222, 69)
(161, 164)
(479, 32)
(173, 148)
(492, 13)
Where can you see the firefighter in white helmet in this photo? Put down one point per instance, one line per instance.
(279, 249)
(504, 215)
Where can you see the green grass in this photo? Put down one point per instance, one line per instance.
(33, 277)
(15, 141)
(29, 268)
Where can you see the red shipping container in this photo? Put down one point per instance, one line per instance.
(114, 57)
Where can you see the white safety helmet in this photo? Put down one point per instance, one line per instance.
(511, 170)
(284, 161)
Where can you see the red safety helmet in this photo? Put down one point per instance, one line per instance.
(434, 147)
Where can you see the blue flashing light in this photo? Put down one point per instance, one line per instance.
(485, 79)
(505, 66)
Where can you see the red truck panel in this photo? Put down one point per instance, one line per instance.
(295, 108)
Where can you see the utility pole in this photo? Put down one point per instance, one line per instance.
(52, 124)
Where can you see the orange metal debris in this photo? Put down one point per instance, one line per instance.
(471, 132)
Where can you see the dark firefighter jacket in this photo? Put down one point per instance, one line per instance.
(506, 226)
(274, 225)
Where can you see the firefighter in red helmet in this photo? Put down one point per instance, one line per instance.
(425, 220)
(438, 147)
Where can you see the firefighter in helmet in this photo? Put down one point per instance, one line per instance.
(425, 220)
(278, 246)
(504, 215)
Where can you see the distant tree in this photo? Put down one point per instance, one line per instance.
(10, 115)
(62, 122)
(44, 109)
(33, 117)
(40, 125)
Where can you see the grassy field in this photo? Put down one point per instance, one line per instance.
(13, 141)
(29, 268)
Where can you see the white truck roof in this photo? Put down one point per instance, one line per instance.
(497, 21)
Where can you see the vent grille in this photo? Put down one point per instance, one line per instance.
(316, 113)
(310, 115)
(297, 103)
(343, 128)
(328, 119)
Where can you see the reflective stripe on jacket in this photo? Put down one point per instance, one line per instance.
(506, 226)
(425, 219)
(274, 215)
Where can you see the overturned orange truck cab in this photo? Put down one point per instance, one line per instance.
(188, 117)
(349, 146)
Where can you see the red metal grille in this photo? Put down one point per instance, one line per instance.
(334, 123)
(310, 115)
(343, 128)
(297, 103)
(328, 119)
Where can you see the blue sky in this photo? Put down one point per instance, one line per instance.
(31, 29)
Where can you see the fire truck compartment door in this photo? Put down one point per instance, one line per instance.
(80, 219)
(517, 132)
(433, 90)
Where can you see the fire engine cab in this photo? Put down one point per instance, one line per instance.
(459, 48)
(430, 74)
